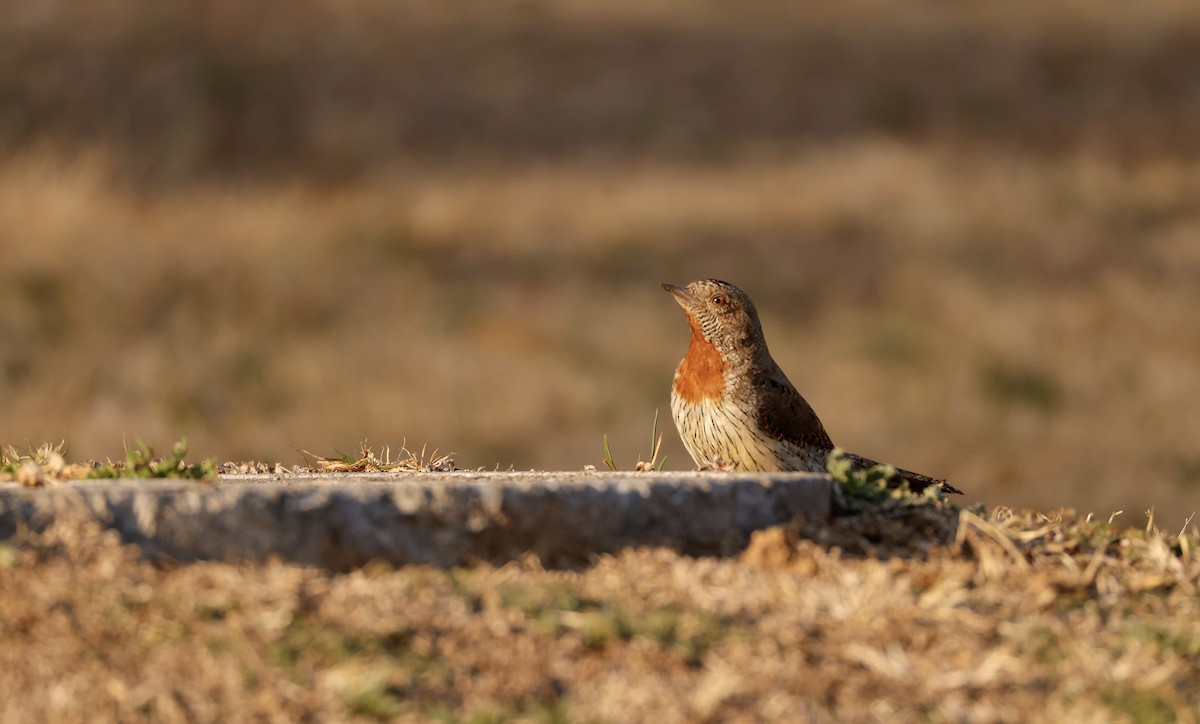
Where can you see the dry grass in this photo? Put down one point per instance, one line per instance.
(1013, 617)
(970, 229)
(40, 465)
(368, 461)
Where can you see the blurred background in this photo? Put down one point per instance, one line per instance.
(972, 228)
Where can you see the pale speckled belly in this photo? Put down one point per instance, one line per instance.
(720, 435)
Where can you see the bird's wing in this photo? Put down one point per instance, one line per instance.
(916, 481)
(785, 415)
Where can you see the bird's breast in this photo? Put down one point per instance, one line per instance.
(701, 374)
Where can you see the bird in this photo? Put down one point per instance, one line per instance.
(734, 407)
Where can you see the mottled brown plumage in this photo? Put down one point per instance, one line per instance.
(733, 406)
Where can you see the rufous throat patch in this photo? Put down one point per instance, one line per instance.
(701, 374)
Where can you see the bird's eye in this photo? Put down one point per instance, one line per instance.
(718, 300)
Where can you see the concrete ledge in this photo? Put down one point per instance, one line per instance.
(442, 519)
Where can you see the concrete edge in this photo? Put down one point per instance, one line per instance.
(442, 519)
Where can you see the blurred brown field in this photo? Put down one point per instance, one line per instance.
(972, 229)
(1023, 619)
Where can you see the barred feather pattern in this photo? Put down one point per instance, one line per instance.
(720, 435)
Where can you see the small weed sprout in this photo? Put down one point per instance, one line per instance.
(653, 464)
(140, 462)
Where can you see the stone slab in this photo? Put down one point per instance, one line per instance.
(340, 521)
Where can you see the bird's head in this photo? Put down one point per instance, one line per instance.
(720, 313)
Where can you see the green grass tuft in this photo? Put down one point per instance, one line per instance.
(654, 463)
(140, 462)
(864, 488)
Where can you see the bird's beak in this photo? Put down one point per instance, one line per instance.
(683, 296)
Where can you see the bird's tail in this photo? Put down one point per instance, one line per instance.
(916, 481)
